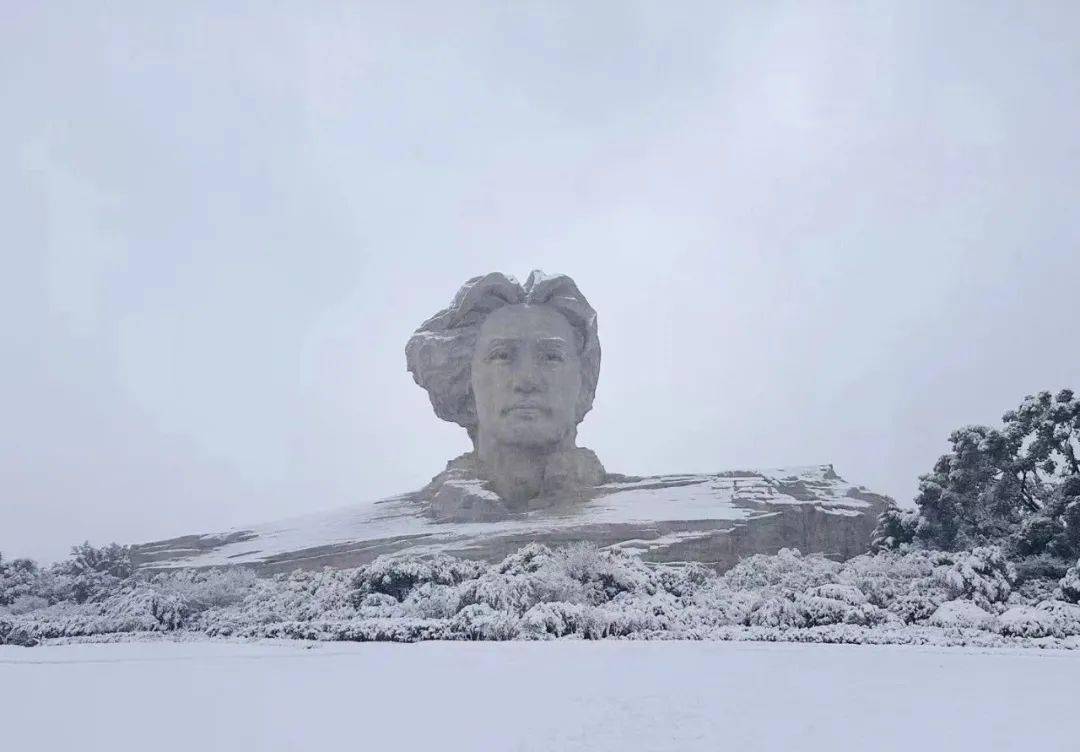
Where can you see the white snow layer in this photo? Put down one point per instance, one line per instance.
(722, 496)
(566, 696)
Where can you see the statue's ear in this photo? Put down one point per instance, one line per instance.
(468, 408)
(467, 417)
(582, 409)
(584, 403)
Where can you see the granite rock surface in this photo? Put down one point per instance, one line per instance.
(715, 519)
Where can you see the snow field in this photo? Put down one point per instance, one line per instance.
(565, 695)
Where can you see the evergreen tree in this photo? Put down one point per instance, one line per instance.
(1018, 485)
(18, 577)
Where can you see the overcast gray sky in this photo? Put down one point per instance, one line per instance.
(813, 233)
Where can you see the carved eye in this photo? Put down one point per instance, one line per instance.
(553, 357)
(499, 355)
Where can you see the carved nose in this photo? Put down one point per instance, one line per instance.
(526, 381)
(526, 385)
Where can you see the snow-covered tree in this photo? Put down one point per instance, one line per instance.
(113, 559)
(984, 576)
(895, 527)
(90, 572)
(18, 578)
(1017, 485)
(1070, 584)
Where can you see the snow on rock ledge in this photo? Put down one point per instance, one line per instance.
(715, 519)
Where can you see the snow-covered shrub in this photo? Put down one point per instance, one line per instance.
(201, 589)
(983, 576)
(787, 570)
(888, 576)
(684, 580)
(576, 592)
(895, 527)
(378, 605)
(481, 622)
(576, 574)
(135, 608)
(608, 572)
(529, 559)
(18, 578)
(143, 609)
(1032, 591)
(368, 630)
(914, 608)
(816, 610)
(61, 586)
(24, 604)
(519, 592)
(775, 611)
(303, 596)
(1028, 621)
(299, 597)
(631, 614)
(12, 633)
(1070, 584)
(819, 610)
(1067, 615)
(961, 614)
(722, 606)
(848, 594)
(622, 617)
(431, 600)
(869, 615)
(550, 620)
(1048, 619)
(397, 575)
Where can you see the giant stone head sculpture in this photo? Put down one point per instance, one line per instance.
(516, 366)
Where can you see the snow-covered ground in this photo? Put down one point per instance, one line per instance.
(562, 696)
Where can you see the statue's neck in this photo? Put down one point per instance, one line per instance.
(517, 472)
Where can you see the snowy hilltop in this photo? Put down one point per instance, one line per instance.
(714, 519)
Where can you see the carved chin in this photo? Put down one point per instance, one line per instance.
(530, 438)
(528, 431)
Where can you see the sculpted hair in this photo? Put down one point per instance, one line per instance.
(439, 354)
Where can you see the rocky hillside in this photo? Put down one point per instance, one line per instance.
(715, 519)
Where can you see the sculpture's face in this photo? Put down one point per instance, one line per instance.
(526, 376)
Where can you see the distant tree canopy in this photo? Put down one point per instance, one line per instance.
(113, 559)
(88, 572)
(1018, 485)
(17, 577)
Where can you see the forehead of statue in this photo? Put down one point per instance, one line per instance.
(523, 321)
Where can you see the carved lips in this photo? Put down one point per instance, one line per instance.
(526, 409)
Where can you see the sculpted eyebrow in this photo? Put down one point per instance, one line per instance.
(503, 342)
(557, 342)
